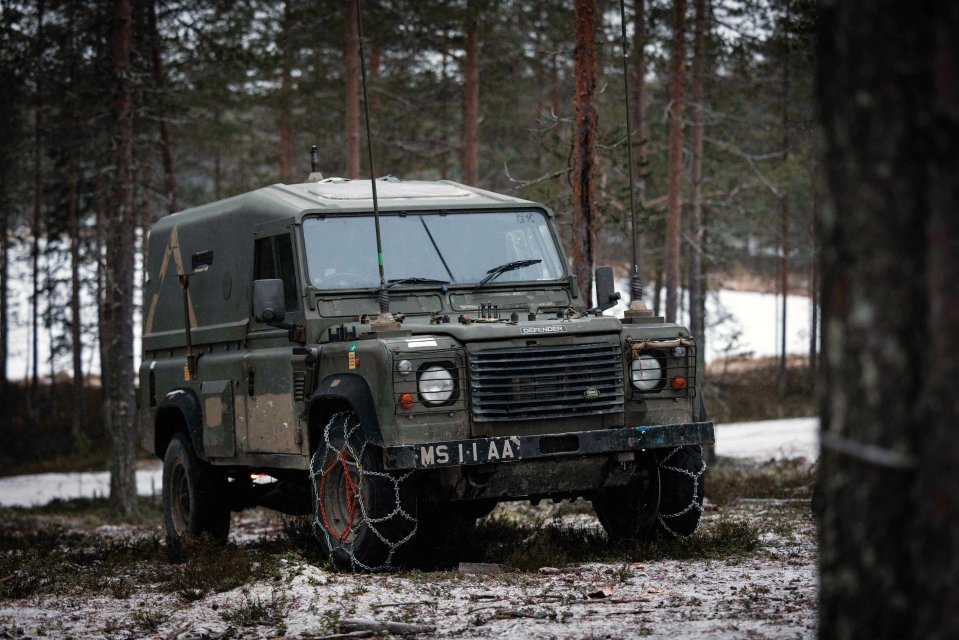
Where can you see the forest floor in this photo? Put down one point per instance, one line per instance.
(71, 569)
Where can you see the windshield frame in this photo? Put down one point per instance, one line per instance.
(563, 279)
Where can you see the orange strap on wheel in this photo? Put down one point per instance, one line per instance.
(351, 493)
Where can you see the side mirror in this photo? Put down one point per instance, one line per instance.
(606, 294)
(269, 304)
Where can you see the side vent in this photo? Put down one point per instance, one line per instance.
(299, 387)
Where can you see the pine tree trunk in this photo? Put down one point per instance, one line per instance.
(351, 57)
(697, 290)
(784, 216)
(119, 273)
(641, 126)
(286, 125)
(584, 144)
(4, 294)
(888, 103)
(166, 138)
(285, 111)
(217, 170)
(470, 141)
(658, 293)
(78, 412)
(677, 98)
(376, 97)
(36, 223)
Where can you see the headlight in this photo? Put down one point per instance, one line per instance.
(435, 385)
(646, 373)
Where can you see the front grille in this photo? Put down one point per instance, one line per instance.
(556, 381)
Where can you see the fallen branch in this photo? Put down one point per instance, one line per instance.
(397, 628)
(8, 578)
(342, 636)
(773, 500)
(400, 604)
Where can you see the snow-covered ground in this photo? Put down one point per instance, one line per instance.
(769, 439)
(759, 441)
(743, 322)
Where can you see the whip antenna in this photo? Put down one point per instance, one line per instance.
(636, 304)
(385, 319)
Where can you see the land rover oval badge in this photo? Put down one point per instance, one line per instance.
(591, 394)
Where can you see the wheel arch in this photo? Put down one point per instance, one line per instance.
(179, 411)
(343, 392)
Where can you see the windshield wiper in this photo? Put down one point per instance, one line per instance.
(414, 280)
(509, 266)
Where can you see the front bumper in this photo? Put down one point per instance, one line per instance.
(515, 448)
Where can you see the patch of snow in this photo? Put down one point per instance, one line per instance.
(40, 488)
(742, 321)
(769, 439)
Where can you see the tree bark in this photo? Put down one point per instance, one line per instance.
(584, 145)
(166, 137)
(351, 57)
(470, 141)
(286, 125)
(640, 101)
(36, 226)
(119, 272)
(285, 112)
(4, 294)
(784, 211)
(78, 414)
(675, 157)
(888, 103)
(697, 289)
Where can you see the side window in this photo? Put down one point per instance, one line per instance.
(286, 268)
(263, 268)
(273, 259)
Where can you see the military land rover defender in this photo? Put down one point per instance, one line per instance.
(495, 382)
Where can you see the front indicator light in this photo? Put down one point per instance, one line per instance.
(678, 383)
(406, 400)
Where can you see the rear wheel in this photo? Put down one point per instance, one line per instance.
(193, 494)
(362, 514)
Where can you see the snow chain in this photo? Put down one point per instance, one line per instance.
(694, 502)
(348, 461)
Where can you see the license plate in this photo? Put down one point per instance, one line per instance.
(504, 449)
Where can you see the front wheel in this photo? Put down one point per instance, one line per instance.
(193, 494)
(629, 513)
(682, 478)
(362, 514)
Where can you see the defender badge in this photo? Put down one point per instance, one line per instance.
(591, 394)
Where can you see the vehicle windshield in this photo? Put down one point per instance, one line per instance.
(455, 247)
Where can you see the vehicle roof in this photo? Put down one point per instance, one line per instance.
(342, 196)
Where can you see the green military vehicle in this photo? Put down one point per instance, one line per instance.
(491, 382)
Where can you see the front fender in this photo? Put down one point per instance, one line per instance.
(345, 388)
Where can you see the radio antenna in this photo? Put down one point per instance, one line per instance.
(636, 305)
(385, 320)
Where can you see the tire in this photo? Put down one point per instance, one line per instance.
(193, 495)
(682, 484)
(629, 513)
(362, 514)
